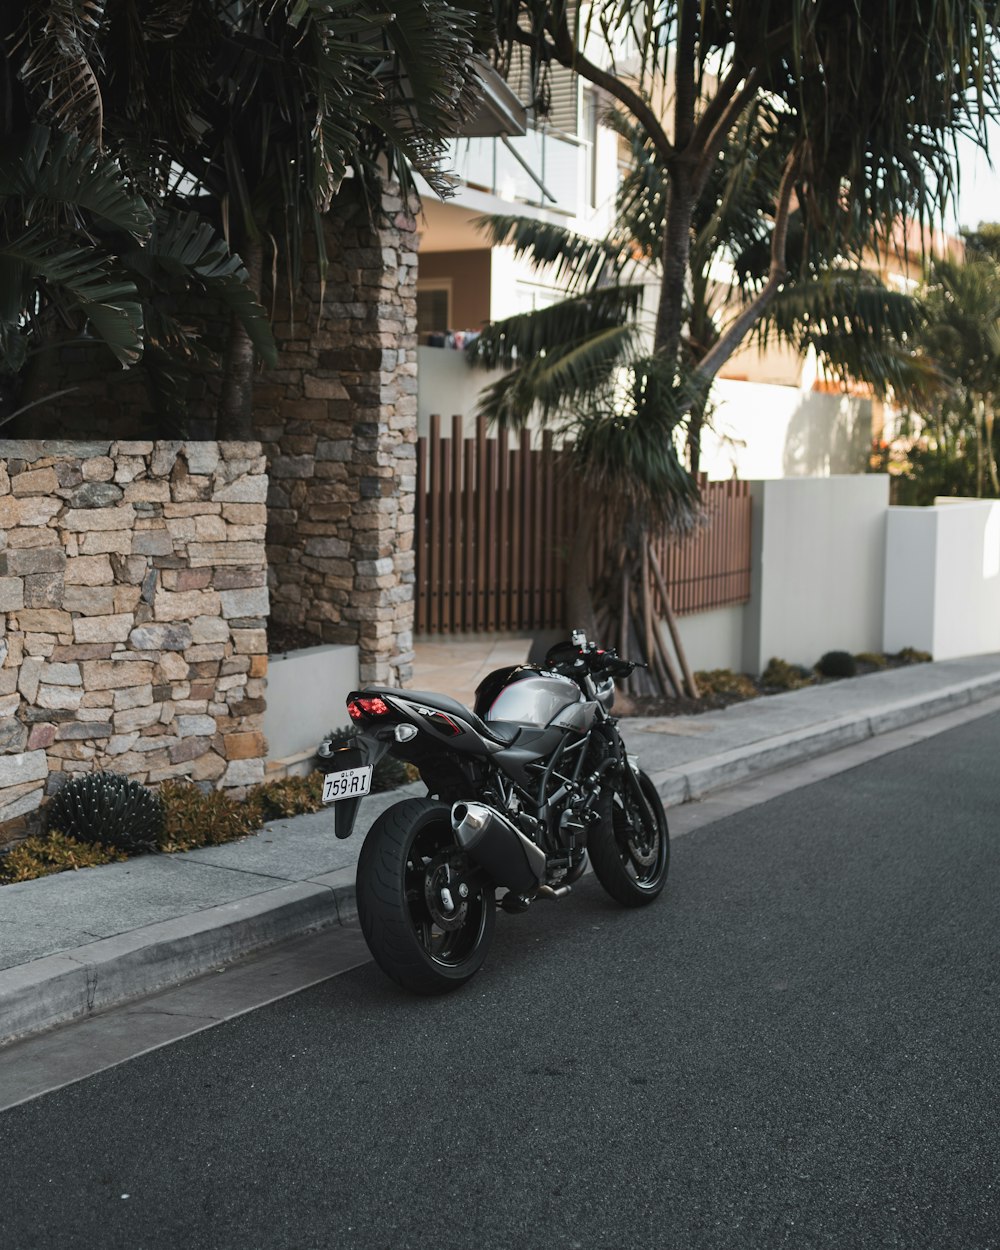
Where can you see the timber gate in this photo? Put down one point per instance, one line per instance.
(494, 524)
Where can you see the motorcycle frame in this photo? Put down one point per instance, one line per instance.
(491, 771)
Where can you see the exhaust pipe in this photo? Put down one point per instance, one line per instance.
(491, 840)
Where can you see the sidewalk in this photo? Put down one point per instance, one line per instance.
(76, 943)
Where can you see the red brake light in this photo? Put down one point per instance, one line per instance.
(361, 706)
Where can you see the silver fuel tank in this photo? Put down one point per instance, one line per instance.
(531, 696)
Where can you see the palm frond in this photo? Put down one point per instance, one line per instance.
(51, 174)
(76, 278)
(520, 339)
(572, 258)
(186, 248)
(625, 448)
(551, 383)
(59, 56)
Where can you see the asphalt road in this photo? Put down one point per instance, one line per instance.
(796, 1046)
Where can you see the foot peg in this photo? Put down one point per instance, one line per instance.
(515, 903)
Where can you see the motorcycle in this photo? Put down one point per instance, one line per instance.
(521, 790)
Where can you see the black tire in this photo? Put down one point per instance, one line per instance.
(630, 848)
(403, 851)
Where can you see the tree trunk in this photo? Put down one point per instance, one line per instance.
(675, 253)
(580, 612)
(235, 419)
(696, 422)
(675, 249)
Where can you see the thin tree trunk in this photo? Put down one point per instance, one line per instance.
(980, 465)
(668, 615)
(580, 612)
(675, 249)
(991, 460)
(740, 327)
(696, 423)
(235, 419)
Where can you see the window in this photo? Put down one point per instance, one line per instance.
(433, 306)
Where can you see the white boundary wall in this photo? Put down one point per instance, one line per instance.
(942, 587)
(762, 430)
(818, 564)
(713, 639)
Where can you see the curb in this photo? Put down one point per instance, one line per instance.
(693, 781)
(58, 989)
(70, 986)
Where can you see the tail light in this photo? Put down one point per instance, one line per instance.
(363, 705)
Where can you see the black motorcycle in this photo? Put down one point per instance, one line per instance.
(519, 792)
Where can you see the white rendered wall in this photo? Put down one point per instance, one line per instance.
(306, 697)
(818, 568)
(712, 639)
(942, 590)
(766, 431)
(447, 385)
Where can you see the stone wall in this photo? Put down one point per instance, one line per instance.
(338, 420)
(133, 604)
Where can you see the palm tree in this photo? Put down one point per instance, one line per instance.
(961, 338)
(81, 251)
(248, 114)
(570, 362)
(865, 104)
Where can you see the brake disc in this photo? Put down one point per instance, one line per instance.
(438, 895)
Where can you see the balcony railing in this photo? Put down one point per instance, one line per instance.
(557, 163)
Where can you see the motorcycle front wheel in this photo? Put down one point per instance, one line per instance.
(408, 859)
(630, 848)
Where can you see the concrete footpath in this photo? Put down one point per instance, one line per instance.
(79, 942)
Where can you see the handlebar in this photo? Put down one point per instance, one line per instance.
(579, 656)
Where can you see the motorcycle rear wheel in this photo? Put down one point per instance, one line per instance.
(630, 848)
(405, 861)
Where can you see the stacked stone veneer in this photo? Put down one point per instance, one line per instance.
(338, 420)
(133, 602)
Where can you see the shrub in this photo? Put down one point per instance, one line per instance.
(837, 664)
(108, 809)
(195, 818)
(289, 796)
(725, 681)
(910, 655)
(784, 676)
(43, 855)
(871, 657)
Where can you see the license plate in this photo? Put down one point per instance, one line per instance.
(352, 783)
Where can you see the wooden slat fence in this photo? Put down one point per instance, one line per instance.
(494, 524)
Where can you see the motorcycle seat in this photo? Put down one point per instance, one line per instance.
(504, 732)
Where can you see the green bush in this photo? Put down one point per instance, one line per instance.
(108, 809)
(289, 796)
(874, 658)
(725, 681)
(837, 664)
(781, 675)
(194, 817)
(910, 655)
(45, 854)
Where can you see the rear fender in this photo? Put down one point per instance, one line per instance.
(364, 748)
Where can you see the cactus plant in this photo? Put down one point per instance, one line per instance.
(837, 664)
(110, 809)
